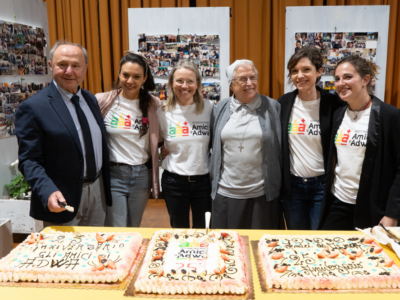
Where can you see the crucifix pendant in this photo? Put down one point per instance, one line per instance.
(240, 147)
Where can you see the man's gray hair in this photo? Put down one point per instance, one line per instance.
(232, 68)
(65, 42)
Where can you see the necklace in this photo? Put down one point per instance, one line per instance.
(237, 134)
(363, 108)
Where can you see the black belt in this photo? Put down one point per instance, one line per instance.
(113, 164)
(88, 180)
(148, 164)
(191, 178)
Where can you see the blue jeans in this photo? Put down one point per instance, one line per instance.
(181, 195)
(130, 186)
(302, 210)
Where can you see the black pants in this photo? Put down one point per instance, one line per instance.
(340, 216)
(181, 195)
(251, 213)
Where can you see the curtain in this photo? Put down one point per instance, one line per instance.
(257, 32)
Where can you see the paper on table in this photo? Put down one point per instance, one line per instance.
(380, 236)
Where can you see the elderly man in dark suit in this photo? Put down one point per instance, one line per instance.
(63, 151)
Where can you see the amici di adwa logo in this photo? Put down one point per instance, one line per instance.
(178, 130)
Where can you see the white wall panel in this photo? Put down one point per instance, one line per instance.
(31, 13)
(193, 20)
(372, 18)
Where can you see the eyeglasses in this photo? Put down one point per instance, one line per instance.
(181, 82)
(243, 80)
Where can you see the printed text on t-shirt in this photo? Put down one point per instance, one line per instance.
(126, 123)
(301, 128)
(181, 130)
(347, 138)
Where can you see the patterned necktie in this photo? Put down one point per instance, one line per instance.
(87, 139)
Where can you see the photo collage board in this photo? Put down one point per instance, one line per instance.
(11, 95)
(22, 50)
(337, 45)
(210, 91)
(164, 51)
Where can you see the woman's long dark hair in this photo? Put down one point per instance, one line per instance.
(148, 85)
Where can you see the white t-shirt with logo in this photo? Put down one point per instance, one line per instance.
(350, 142)
(186, 136)
(123, 122)
(306, 156)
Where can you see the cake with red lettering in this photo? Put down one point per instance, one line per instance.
(326, 262)
(72, 257)
(193, 262)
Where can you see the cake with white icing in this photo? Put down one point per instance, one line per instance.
(72, 257)
(326, 262)
(193, 262)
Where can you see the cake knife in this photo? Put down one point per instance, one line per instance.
(395, 238)
(208, 217)
(67, 207)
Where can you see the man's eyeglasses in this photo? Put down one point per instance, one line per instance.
(243, 80)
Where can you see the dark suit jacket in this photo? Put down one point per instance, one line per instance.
(50, 153)
(329, 103)
(379, 189)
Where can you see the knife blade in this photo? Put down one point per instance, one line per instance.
(395, 238)
(67, 207)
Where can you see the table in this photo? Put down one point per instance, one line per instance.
(75, 294)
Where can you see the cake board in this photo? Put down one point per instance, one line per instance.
(88, 286)
(265, 290)
(249, 295)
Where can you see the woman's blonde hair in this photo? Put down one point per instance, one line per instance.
(170, 103)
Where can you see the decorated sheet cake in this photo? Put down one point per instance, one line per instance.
(326, 262)
(192, 262)
(72, 257)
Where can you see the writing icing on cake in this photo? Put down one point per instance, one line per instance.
(192, 262)
(199, 256)
(72, 257)
(326, 262)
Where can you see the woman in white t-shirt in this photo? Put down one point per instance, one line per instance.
(129, 113)
(306, 120)
(184, 121)
(363, 176)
